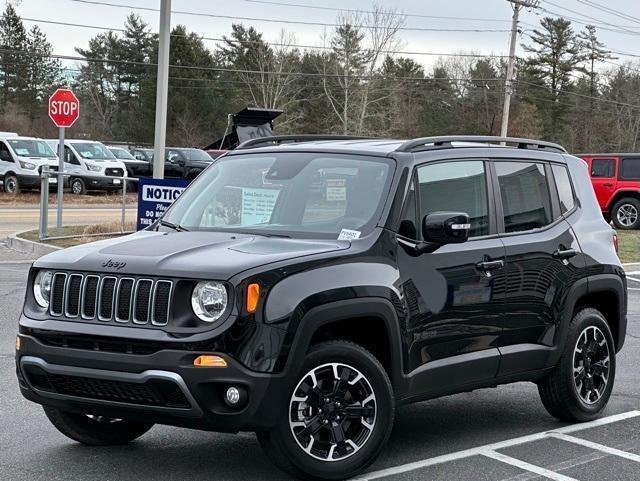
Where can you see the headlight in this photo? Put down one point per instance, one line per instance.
(42, 288)
(209, 300)
(93, 168)
(27, 165)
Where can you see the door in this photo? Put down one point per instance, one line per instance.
(603, 178)
(454, 307)
(6, 160)
(172, 167)
(542, 256)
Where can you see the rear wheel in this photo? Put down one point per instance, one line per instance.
(338, 416)
(626, 213)
(78, 187)
(11, 184)
(95, 430)
(578, 389)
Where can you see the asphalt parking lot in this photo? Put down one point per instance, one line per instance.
(493, 434)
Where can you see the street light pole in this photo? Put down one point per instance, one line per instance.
(508, 87)
(162, 88)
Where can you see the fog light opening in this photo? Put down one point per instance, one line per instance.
(235, 397)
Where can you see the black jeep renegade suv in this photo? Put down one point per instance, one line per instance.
(305, 289)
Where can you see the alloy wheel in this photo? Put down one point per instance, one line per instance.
(76, 187)
(332, 412)
(627, 215)
(591, 365)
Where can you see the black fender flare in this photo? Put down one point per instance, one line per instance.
(584, 287)
(342, 311)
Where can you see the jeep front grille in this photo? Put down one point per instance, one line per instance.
(111, 298)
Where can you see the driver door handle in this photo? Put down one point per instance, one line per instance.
(565, 253)
(488, 266)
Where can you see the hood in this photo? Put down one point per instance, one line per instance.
(198, 255)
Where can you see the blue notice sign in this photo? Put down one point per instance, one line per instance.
(155, 196)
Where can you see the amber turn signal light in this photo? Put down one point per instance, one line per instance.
(205, 360)
(253, 294)
(17, 343)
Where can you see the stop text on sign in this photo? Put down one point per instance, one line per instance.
(64, 108)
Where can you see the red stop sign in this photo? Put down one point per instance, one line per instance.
(64, 108)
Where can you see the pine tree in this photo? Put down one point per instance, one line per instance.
(13, 59)
(42, 73)
(556, 55)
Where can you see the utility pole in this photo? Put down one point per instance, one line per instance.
(508, 87)
(162, 88)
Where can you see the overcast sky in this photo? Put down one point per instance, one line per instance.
(474, 14)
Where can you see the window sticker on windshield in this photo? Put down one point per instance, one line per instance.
(348, 234)
(336, 190)
(257, 205)
(22, 152)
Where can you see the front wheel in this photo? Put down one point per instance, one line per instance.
(95, 430)
(11, 184)
(626, 213)
(78, 187)
(338, 416)
(579, 387)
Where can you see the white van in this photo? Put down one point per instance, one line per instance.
(22, 160)
(92, 166)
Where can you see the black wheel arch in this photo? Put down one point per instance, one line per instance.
(343, 320)
(622, 194)
(605, 292)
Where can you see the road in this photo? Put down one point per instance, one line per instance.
(435, 436)
(16, 219)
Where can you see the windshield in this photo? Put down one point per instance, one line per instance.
(121, 153)
(93, 151)
(196, 154)
(294, 194)
(31, 148)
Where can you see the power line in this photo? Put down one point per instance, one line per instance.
(293, 22)
(219, 39)
(398, 14)
(625, 29)
(609, 10)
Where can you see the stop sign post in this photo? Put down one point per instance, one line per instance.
(64, 110)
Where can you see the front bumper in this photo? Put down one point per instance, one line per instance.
(102, 182)
(163, 387)
(33, 181)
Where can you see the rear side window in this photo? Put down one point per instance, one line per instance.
(630, 168)
(564, 188)
(603, 168)
(458, 187)
(526, 202)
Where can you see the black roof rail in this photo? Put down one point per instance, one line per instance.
(446, 142)
(279, 139)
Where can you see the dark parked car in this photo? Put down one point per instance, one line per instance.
(412, 270)
(135, 167)
(179, 162)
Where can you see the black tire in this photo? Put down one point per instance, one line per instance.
(95, 431)
(284, 449)
(626, 213)
(11, 184)
(559, 390)
(78, 186)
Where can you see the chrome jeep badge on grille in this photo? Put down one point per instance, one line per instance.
(110, 264)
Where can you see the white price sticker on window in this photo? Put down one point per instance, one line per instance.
(348, 234)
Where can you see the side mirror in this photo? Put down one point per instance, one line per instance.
(446, 228)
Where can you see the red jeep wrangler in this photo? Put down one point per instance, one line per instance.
(616, 181)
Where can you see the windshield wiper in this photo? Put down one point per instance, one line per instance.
(171, 225)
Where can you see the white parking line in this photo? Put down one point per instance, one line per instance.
(503, 458)
(633, 279)
(482, 450)
(596, 446)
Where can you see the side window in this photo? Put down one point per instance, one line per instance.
(603, 168)
(630, 168)
(466, 181)
(69, 156)
(564, 188)
(5, 155)
(526, 202)
(138, 155)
